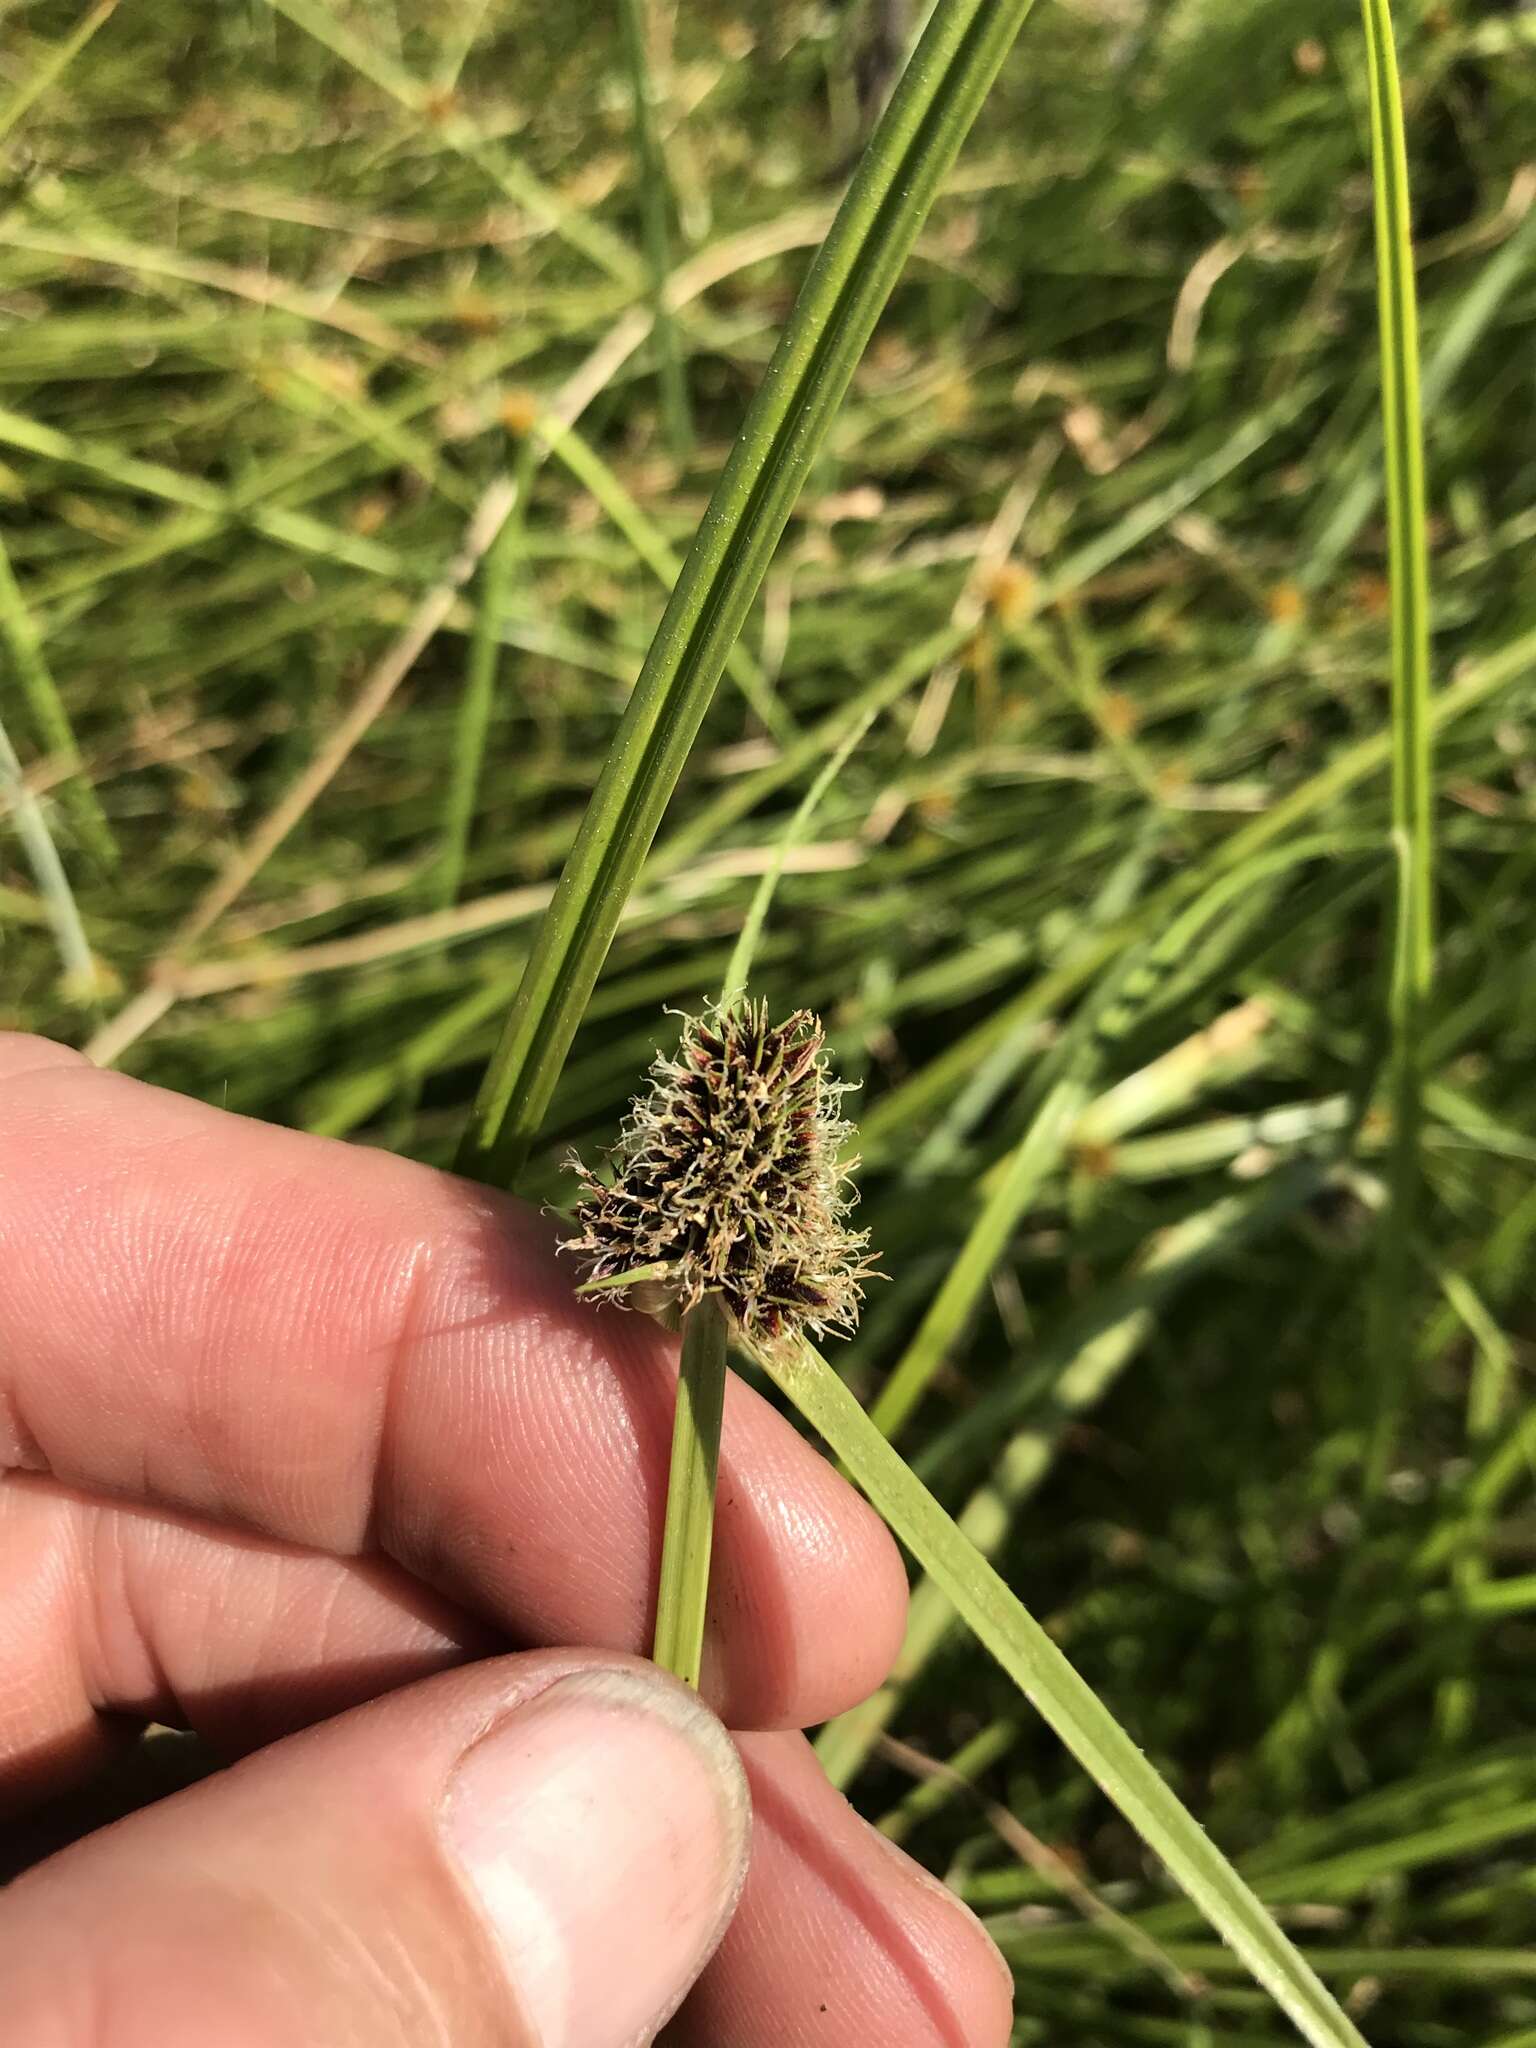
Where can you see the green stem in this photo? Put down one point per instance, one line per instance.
(52, 882)
(1004, 1625)
(896, 182)
(1091, 1357)
(1035, 1157)
(688, 1537)
(739, 968)
(655, 203)
(1411, 725)
(53, 66)
(474, 715)
(21, 641)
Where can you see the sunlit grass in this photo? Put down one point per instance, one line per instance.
(1138, 775)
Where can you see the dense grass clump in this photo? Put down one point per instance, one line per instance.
(358, 407)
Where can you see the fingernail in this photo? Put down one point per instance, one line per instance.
(603, 1827)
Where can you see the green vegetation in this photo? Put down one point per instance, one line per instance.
(349, 443)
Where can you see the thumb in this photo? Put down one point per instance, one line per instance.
(536, 1852)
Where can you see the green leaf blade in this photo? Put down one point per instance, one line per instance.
(1001, 1622)
(848, 284)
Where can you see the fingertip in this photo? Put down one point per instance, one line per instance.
(877, 1623)
(603, 1829)
(964, 1956)
(22, 1054)
(883, 1951)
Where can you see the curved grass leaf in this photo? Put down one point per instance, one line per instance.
(896, 182)
(1000, 1621)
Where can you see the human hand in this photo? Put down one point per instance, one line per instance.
(300, 1437)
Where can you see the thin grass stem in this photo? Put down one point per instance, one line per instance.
(474, 713)
(48, 871)
(50, 721)
(688, 1536)
(54, 65)
(739, 970)
(1085, 1360)
(655, 205)
(1037, 1155)
(366, 56)
(1411, 728)
(593, 474)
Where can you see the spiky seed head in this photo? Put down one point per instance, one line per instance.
(728, 1176)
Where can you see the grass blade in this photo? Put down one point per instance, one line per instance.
(1091, 1354)
(688, 1537)
(474, 712)
(740, 968)
(655, 204)
(48, 871)
(1005, 1626)
(1036, 1155)
(1411, 727)
(369, 59)
(896, 182)
(594, 475)
(50, 721)
(1480, 679)
(53, 66)
(1107, 1017)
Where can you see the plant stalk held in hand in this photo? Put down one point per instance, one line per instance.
(729, 1207)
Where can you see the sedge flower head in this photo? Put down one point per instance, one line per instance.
(729, 1178)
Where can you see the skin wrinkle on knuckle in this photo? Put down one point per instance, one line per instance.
(488, 1355)
(210, 1243)
(202, 1660)
(273, 1449)
(298, 1456)
(114, 1648)
(95, 1222)
(47, 1690)
(399, 1346)
(20, 1450)
(153, 1657)
(323, 1617)
(181, 1254)
(438, 1360)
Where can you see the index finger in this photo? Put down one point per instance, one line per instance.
(350, 1351)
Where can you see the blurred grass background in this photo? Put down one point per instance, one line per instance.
(287, 286)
